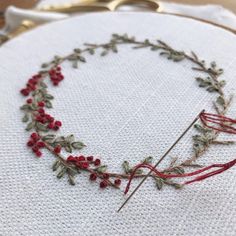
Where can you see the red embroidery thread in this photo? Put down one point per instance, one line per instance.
(219, 120)
(222, 168)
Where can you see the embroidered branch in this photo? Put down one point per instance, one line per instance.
(44, 126)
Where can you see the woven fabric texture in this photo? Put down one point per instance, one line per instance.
(125, 106)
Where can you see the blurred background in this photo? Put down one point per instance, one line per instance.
(29, 4)
(230, 4)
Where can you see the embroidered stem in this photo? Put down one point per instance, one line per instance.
(222, 168)
(45, 125)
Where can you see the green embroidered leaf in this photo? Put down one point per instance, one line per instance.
(212, 89)
(148, 160)
(159, 183)
(137, 172)
(91, 51)
(60, 139)
(61, 172)
(101, 169)
(56, 165)
(68, 148)
(25, 118)
(173, 55)
(75, 64)
(204, 82)
(179, 170)
(34, 106)
(126, 167)
(48, 104)
(220, 100)
(78, 145)
(41, 127)
(49, 137)
(30, 126)
(48, 96)
(173, 184)
(155, 48)
(82, 59)
(71, 179)
(45, 65)
(77, 50)
(70, 138)
(104, 53)
(42, 84)
(222, 83)
(26, 107)
(114, 48)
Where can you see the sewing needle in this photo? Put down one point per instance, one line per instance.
(161, 159)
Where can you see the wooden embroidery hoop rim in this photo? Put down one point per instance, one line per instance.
(228, 29)
(201, 20)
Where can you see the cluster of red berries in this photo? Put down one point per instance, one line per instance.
(56, 76)
(84, 163)
(31, 85)
(35, 143)
(44, 118)
(105, 176)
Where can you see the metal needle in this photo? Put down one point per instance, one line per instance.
(162, 158)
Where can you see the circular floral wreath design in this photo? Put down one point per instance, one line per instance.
(44, 126)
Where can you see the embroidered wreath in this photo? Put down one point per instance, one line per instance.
(44, 126)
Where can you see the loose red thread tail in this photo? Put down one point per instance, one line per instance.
(222, 168)
(220, 120)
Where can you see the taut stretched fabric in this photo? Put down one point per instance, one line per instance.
(125, 106)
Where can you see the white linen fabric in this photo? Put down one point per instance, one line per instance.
(125, 106)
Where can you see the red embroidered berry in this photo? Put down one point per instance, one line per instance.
(85, 165)
(25, 92)
(37, 76)
(41, 111)
(58, 68)
(117, 182)
(93, 177)
(40, 144)
(78, 164)
(32, 81)
(34, 136)
(41, 104)
(90, 158)
(39, 118)
(30, 143)
(57, 149)
(52, 72)
(38, 154)
(50, 125)
(29, 101)
(103, 184)
(97, 162)
(43, 121)
(58, 123)
(71, 159)
(35, 149)
(56, 128)
(81, 158)
(105, 176)
(31, 87)
(55, 83)
(50, 119)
